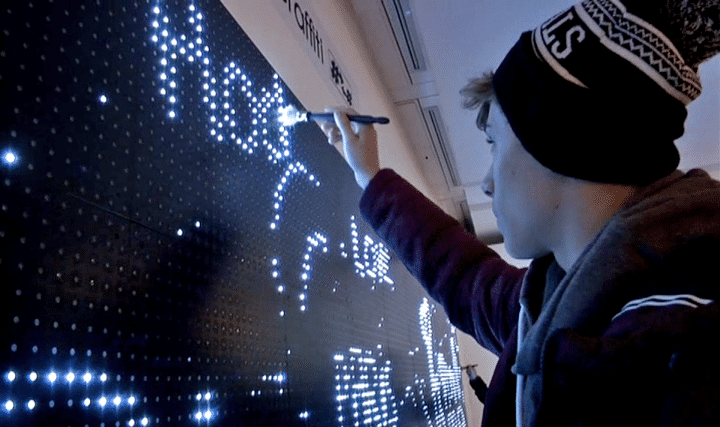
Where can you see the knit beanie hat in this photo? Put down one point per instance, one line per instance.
(599, 91)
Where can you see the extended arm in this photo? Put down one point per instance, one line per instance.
(479, 291)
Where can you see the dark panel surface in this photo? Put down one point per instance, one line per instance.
(171, 255)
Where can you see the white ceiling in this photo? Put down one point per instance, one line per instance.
(460, 39)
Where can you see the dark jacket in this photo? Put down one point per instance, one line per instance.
(626, 337)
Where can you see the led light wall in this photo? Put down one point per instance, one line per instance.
(171, 255)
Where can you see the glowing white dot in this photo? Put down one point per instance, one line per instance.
(197, 224)
(10, 376)
(171, 114)
(103, 99)
(282, 313)
(156, 10)
(144, 421)
(70, 377)
(208, 415)
(198, 416)
(199, 28)
(131, 400)
(155, 24)
(179, 232)
(103, 377)
(9, 405)
(102, 401)
(208, 396)
(117, 400)
(86, 402)
(198, 396)
(52, 377)
(31, 404)
(302, 308)
(281, 288)
(131, 423)
(33, 376)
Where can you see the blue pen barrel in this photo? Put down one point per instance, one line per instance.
(352, 117)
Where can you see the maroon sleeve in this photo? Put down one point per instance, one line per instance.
(479, 291)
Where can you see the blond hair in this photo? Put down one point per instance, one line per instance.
(478, 94)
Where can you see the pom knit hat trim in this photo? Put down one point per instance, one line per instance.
(629, 37)
(599, 93)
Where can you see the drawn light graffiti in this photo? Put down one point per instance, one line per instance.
(172, 255)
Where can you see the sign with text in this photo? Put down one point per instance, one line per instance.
(300, 15)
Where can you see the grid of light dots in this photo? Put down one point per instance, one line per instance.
(363, 392)
(445, 390)
(220, 94)
(292, 170)
(56, 379)
(372, 264)
(279, 379)
(375, 258)
(204, 411)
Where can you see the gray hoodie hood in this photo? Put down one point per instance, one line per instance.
(625, 258)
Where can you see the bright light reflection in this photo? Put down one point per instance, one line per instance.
(10, 376)
(10, 157)
(31, 405)
(9, 405)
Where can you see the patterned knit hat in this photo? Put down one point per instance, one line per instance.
(599, 91)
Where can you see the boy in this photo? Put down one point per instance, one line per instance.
(613, 321)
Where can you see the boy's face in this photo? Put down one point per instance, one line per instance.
(524, 192)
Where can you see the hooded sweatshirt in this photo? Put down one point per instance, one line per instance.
(608, 341)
